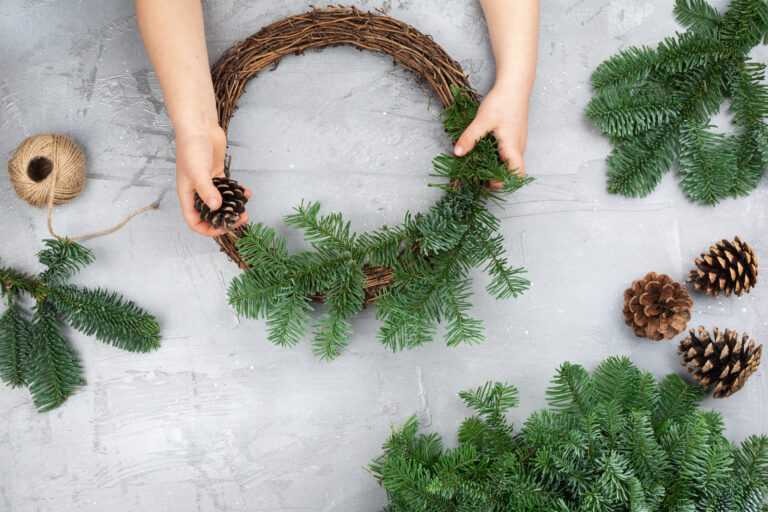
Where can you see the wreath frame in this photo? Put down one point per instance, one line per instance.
(466, 189)
(321, 28)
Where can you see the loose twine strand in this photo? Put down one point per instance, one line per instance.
(49, 170)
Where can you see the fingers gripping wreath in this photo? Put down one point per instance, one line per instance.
(417, 272)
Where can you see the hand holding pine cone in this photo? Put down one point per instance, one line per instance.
(233, 202)
(657, 307)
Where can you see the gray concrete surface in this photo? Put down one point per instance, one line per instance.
(219, 419)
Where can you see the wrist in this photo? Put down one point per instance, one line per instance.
(191, 127)
(193, 115)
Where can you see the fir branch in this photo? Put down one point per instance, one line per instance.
(460, 114)
(491, 399)
(505, 280)
(699, 92)
(14, 282)
(404, 329)
(627, 67)
(461, 328)
(617, 380)
(624, 111)
(63, 259)
(648, 391)
(571, 390)
(749, 159)
(313, 273)
(261, 246)
(688, 51)
(676, 400)
(345, 299)
(685, 444)
(327, 231)
(38, 355)
(637, 165)
(649, 459)
(745, 24)
(383, 247)
(288, 317)
(14, 346)
(698, 16)
(256, 293)
(752, 459)
(107, 316)
(564, 460)
(54, 370)
(706, 162)
(749, 103)
(654, 102)
(444, 226)
(748, 93)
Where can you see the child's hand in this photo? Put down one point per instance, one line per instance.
(506, 115)
(199, 157)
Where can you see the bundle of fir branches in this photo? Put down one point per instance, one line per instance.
(34, 353)
(657, 104)
(430, 256)
(613, 440)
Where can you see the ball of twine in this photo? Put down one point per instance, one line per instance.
(45, 166)
(49, 170)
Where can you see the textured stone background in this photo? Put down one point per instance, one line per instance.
(219, 419)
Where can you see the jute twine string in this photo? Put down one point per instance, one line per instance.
(320, 28)
(49, 170)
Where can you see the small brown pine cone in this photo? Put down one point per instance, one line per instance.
(657, 307)
(232, 204)
(729, 267)
(722, 363)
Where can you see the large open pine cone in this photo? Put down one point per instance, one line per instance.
(724, 363)
(657, 307)
(730, 267)
(232, 204)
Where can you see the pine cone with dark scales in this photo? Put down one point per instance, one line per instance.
(729, 267)
(232, 204)
(657, 307)
(722, 364)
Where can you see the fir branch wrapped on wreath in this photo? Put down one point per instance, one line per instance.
(417, 272)
(657, 104)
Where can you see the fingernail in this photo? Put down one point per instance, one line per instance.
(212, 202)
(458, 150)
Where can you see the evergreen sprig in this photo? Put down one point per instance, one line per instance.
(611, 440)
(657, 104)
(34, 353)
(430, 255)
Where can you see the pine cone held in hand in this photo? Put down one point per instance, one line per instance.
(657, 307)
(729, 267)
(232, 204)
(724, 363)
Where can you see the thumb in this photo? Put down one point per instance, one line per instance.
(208, 192)
(471, 135)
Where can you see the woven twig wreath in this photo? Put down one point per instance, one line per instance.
(321, 28)
(458, 220)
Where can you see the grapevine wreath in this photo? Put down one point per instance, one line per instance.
(417, 272)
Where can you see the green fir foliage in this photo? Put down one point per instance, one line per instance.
(430, 255)
(656, 105)
(611, 440)
(35, 353)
